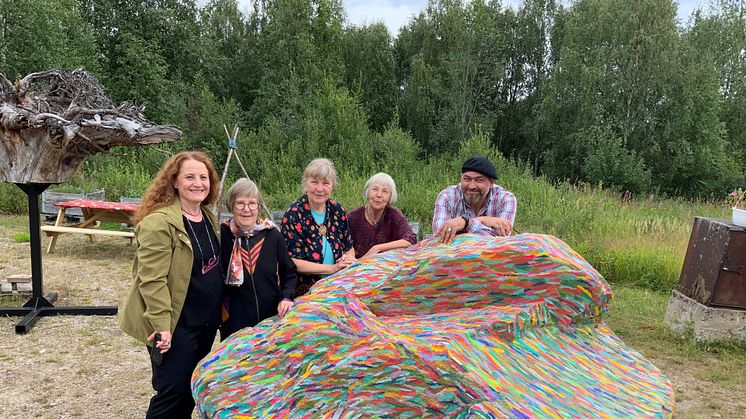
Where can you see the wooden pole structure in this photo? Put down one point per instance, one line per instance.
(233, 152)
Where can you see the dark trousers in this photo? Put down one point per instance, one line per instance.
(172, 379)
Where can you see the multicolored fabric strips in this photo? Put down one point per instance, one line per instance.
(482, 327)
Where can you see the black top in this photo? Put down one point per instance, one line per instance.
(202, 303)
(274, 278)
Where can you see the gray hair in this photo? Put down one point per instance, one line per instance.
(384, 179)
(243, 187)
(320, 168)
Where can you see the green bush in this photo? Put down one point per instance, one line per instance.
(612, 164)
(12, 199)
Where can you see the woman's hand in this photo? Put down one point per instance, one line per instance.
(165, 343)
(373, 251)
(284, 307)
(346, 260)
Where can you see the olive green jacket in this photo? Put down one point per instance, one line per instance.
(160, 273)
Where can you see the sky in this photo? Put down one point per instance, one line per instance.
(396, 13)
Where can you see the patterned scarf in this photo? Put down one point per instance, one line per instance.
(240, 257)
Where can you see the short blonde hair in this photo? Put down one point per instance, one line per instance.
(320, 168)
(243, 187)
(386, 181)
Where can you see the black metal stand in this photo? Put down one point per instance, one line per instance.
(38, 305)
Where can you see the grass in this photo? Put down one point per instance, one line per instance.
(636, 316)
(13, 300)
(21, 237)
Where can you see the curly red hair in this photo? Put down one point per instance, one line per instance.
(161, 191)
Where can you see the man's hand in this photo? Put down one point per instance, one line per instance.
(447, 232)
(501, 226)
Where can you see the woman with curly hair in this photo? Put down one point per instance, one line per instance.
(173, 306)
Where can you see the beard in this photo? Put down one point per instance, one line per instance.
(475, 200)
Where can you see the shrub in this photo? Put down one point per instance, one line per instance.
(12, 199)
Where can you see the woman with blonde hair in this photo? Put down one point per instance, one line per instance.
(174, 303)
(315, 227)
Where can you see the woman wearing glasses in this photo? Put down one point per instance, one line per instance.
(260, 277)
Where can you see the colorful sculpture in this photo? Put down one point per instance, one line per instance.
(482, 327)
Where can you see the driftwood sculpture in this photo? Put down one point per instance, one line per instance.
(51, 121)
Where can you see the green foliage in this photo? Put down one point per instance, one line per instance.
(598, 93)
(206, 115)
(37, 35)
(141, 70)
(369, 64)
(12, 199)
(21, 237)
(118, 176)
(610, 163)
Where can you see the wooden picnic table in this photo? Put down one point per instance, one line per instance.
(93, 213)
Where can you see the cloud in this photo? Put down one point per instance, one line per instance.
(393, 13)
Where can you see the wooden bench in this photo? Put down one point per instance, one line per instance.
(94, 212)
(50, 198)
(51, 230)
(16, 279)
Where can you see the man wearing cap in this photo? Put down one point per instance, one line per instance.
(476, 205)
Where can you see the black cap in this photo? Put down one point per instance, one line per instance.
(481, 165)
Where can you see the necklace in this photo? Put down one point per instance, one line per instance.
(197, 214)
(213, 261)
(322, 226)
(370, 218)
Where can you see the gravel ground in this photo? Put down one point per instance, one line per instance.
(73, 366)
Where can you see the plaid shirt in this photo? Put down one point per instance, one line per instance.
(451, 204)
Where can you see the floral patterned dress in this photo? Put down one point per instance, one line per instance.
(303, 235)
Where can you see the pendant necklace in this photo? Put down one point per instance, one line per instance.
(322, 227)
(370, 218)
(213, 261)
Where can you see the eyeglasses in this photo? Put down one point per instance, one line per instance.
(243, 205)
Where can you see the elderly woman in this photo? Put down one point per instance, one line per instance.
(315, 227)
(378, 226)
(174, 303)
(260, 277)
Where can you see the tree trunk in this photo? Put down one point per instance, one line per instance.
(51, 121)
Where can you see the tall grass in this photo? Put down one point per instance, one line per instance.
(641, 242)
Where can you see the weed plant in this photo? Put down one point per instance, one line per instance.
(22, 237)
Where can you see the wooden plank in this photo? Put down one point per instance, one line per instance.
(19, 278)
(55, 230)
